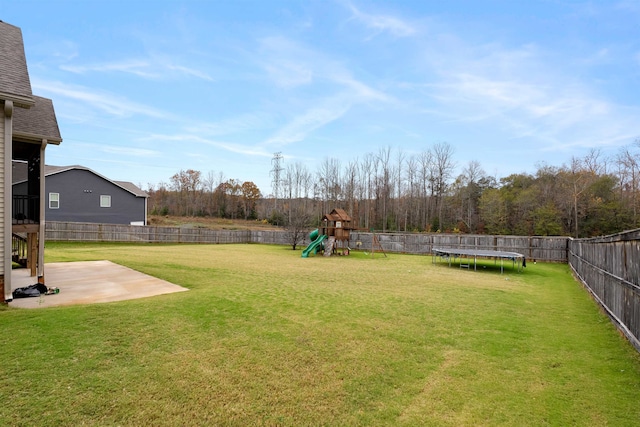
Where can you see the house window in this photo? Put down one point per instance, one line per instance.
(105, 201)
(54, 200)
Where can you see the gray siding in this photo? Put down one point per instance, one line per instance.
(80, 192)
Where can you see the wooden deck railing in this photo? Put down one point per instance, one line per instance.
(25, 209)
(19, 249)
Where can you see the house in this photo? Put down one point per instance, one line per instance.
(79, 194)
(27, 126)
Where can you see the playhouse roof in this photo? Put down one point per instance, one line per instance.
(337, 215)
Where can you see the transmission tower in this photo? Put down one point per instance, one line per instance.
(275, 173)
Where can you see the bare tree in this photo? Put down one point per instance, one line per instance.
(411, 207)
(329, 180)
(594, 163)
(209, 185)
(444, 167)
(629, 178)
(367, 173)
(288, 185)
(426, 179)
(577, 180)
(296, 185)
(306, 180)
(471, 175)
(384, 183)
(399, 187)
(298, 222)
(187, 184)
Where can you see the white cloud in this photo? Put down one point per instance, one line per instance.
(127, 151)
(154, 67)
(247, 122)
(522, 93)
(314, 118)
(289, 74)
(54, 49)
(287, 63)
(189, 71)
(359, 90)
(291, 64)
(135, 66)
(190, 138)
(382, 23)
(105, 102)
(332, 93)
(113, 149)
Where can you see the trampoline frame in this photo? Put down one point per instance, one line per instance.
(450, 254)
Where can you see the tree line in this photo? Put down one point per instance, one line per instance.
(190, 194)
(391, 190)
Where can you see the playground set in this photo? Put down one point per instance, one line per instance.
(334, 234)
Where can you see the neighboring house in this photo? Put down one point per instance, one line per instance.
(27, 125)
(78, 194)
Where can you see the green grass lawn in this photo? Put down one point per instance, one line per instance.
(265, 337)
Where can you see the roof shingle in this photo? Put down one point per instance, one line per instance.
(14, 75)
(38, 121)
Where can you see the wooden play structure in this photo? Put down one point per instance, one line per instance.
(337, 226)
(332, 235)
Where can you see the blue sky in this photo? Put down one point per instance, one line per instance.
(144, 89)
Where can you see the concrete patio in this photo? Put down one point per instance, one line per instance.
(89, 282)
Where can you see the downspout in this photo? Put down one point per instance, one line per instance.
(8, 200)
(41, 231)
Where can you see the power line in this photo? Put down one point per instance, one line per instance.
(275, 173)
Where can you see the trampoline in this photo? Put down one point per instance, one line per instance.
(466, 255)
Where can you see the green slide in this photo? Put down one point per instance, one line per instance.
(314, 245)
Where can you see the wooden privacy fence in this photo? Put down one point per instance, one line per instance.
(88, 232)
(610, 269)
(539, 248)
